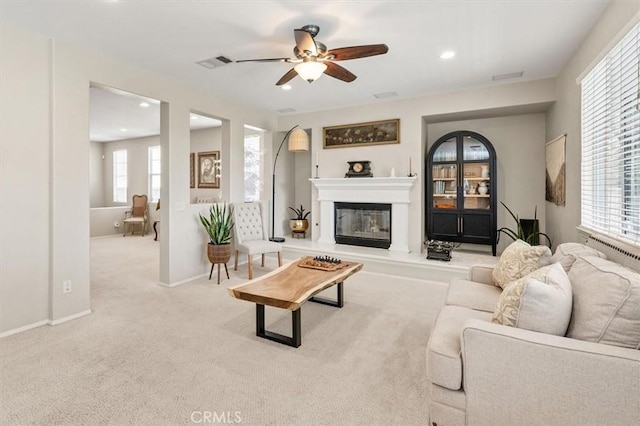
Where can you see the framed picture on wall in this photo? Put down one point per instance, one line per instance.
(361, 134)
(209, 169)
(192, 171)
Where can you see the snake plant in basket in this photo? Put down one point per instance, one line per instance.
(218, 225)
(527, 230)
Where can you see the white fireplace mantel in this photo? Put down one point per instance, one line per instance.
(384, 190)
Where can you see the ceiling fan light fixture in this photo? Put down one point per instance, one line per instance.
(310, 70)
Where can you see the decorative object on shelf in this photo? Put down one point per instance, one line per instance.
(461, 197)
(323, 263)
(209, 169)
(317, 165)
(528, 230)
(439, 250)
(298, 142)
(411, 174)
(299, 224)
(359, 169)
(361, 134)
(555, 170)
(218, 226)
(192, 170)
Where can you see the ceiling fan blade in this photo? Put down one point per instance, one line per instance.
(355, 52)
(287, 77)
(339, 72)
(266, 60)
(305, 43)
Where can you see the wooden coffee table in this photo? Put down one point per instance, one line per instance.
(288, 287)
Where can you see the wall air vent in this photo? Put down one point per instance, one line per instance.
(216, 62)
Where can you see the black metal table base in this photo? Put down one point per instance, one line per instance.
(296, 328)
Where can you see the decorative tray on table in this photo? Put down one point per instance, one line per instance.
(323, 263)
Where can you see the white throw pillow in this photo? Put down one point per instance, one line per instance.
(539, 301)
(567, 253)
(518, 260)
(606, 303)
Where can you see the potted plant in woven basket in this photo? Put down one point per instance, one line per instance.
(299, 224)
(218, 225)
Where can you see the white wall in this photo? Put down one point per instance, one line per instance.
(96, 174)
(25, 169)
(413, 114)
(46, 241)
(519, 142)
(564, 116)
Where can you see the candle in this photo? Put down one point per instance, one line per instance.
(317, 158)
(409, 166)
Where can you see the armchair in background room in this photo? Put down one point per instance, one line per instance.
(138, 215)
(251, 235)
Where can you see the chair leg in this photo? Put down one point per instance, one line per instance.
(279, 258)
(262, 260)
(124, 229)
(250, 266)
(235, 265)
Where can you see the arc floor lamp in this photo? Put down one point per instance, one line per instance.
(298, 142)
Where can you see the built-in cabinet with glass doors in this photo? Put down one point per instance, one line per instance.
(461, 189)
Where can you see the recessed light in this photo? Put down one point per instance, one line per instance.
(447, 54)
(123, 129)
(144, 104)
(286, 87)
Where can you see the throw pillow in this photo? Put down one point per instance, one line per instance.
(518, 260)
(606, 303)
(567, 253)
(539, 301)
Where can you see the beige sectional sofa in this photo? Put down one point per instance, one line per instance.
(484, 373)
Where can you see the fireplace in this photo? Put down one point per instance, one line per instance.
(363, 224)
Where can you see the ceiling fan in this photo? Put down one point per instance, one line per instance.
(312, 58)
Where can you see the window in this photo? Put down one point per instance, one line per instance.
(611, 142)
(154, 173)
(120, 176)
(253, 182)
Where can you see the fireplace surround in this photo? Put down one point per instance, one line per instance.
(384, 190)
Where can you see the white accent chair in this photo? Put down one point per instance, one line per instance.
(251, 235)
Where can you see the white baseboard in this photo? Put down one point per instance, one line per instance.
(69, 318)
(23, 328)
(197, 277)
(44, 322)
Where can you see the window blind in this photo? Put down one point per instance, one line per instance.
(611, 142)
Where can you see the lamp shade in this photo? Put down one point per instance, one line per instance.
(298, 141)
(310, 70)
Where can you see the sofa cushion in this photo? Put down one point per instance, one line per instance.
(473, 295)
(519, 259)
(444, 362)
(539, 301)
(606, 303)
(567, 253)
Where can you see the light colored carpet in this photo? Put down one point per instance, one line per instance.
(150, 355)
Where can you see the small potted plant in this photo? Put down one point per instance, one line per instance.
(528, 230)
(218, 226)
(299, 224)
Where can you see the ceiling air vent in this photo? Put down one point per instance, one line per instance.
(286, 110)
(216, 62)
(507, 76)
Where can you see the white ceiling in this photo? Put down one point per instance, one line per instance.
(117, 115)
(167, 37)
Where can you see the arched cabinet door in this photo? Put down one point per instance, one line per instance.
(461, 189)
